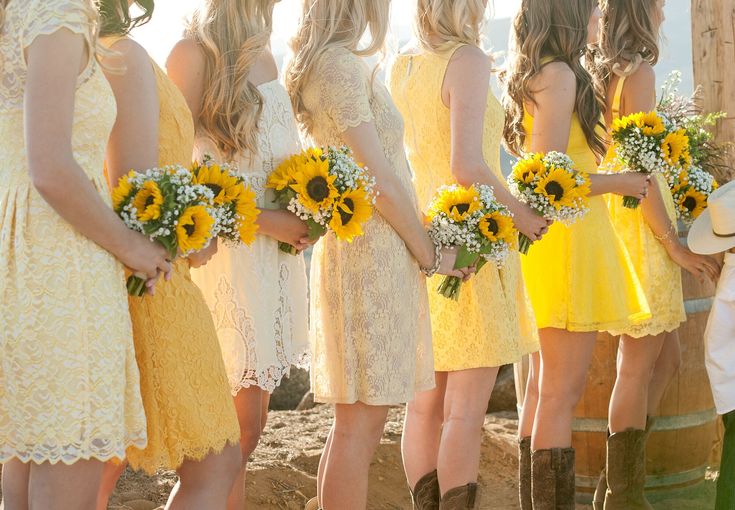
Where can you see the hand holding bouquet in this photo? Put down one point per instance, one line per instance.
(327, 190)
(472, 220)
(650, 143)
(552, 186)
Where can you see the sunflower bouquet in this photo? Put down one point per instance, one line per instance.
(169, 207)
(472, 220)
(650, 143)
(552, 186)
(234, 205)
(691, 189)
(326, 189)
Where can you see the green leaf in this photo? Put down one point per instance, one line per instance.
(465, 258)
(315, 229)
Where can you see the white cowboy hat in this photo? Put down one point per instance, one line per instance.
(714, 230)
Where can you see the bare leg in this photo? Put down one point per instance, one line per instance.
(629, 402)
(666, 368)
(206, 483)
(422, 430)
(323, 465)
(62, 487)
(465, 406)
(111, 473)
(530, 399)
(565, 359)
(252, 411)
(357, 431)
(16, 476)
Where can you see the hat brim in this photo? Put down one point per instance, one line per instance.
(702, 239)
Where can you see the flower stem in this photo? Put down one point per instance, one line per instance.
(449, 287)
(524, 243)
(135, 286)
(631, 202)
(287, 248)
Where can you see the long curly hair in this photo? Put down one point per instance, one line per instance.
(115, 17)
(232, 34)
(453, 21)
(630, 35)
(328, 24)
(551, 29)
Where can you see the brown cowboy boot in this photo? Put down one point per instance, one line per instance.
(312, 504)
(524, 473)
(626, 471)
(459, 498)
(425, 495)
(552, 479)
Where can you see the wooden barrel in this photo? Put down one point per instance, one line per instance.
(684, 435)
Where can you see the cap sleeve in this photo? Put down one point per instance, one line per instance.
(344, 86)
(46, 17)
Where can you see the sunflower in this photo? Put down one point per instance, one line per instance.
(676, 148)
(497, 227)
(194, 228)
(526, 170)
(247, 212)
(692, 202)
(351, 211)
(458, 203)
(314, 185)
(558, 187)
(650, 123)
(224, 186)
(148, 202)
(122, 191)
(624, 123)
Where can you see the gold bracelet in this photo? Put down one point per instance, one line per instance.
(670, 233)
(431, 271)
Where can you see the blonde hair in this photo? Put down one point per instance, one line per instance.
(327, 24)
(452, 21)
(629, 34)
(554, 30)
(232, 34)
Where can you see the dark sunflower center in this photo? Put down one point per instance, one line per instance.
(318, 189)
(190, 229)
(461, 208)
(347, 217)
(216, 188)
(690, 203)
(149, 201)
(492, 226)
(554, 189)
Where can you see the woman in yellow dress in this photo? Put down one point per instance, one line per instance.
(629, 50)
(192, 425)
(370, 326)
(454, 127)
(580, 278)
(69, 387)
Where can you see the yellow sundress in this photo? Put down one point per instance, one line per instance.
(69, 386)
(186, 395)
(659, 275)
(580, 278)
(492, 324)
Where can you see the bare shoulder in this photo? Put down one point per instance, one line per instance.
(642, 81)
(471, 56)
(468, 73)
(186, 54)
(130, 54)
(556, 74)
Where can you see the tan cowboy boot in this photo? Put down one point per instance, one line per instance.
(312, 504)
(524, 473)
(626, 471)
(552, 479)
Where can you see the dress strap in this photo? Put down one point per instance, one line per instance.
(618, 97)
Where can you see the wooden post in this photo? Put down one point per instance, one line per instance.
(713, 51)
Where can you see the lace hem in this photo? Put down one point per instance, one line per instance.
(98, 449)
(588, 327)
(196, 454)
(356, 120)
(657, 326)
(270, 377)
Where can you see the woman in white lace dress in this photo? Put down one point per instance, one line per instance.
(257, 294)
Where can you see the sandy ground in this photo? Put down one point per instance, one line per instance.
(283, 469)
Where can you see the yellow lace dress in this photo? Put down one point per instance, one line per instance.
(580, 278)
(659, 275)
(370, 325)
(185, 391)
(492, 324)
(69, 385)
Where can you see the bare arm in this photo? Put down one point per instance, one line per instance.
(466, 86)
(53, 64)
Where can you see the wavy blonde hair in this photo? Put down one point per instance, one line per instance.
(329, 24)
(629, 35)
(452, 21)
(232, 34)
(551, 29)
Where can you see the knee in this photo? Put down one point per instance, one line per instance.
(365, 434)
(563, 398)
(249, 440)
(427, 416)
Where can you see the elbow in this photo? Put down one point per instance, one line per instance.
(44, 173)
(465, 172)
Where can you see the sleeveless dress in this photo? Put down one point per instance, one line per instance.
(580, 278)
(185, 392)
(69, 385)
(493, 323)
(370, 325)
(257, 293)
(659, 275)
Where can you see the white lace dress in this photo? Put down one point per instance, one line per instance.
(257, 293)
